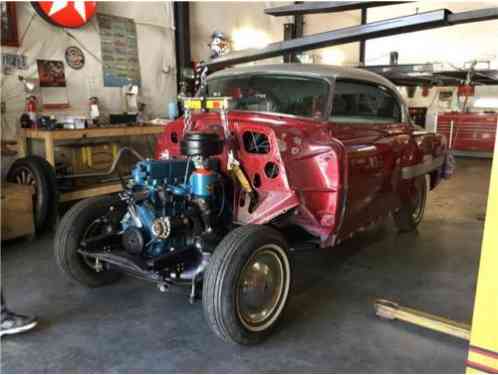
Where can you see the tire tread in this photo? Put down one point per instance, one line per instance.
(215, 276)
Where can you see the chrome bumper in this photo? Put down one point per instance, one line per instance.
(422, 168)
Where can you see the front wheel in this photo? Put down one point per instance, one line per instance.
(88, 218)
(412, 209)
(247, 283)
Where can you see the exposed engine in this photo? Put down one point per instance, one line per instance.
(177, 205)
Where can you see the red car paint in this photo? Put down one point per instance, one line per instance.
(337, 178)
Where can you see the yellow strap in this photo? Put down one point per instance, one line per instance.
(241, 178)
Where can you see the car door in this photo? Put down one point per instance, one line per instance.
(367, 119)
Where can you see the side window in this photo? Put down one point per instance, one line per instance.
(356, 102)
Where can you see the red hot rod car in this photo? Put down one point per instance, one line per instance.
(328, 149)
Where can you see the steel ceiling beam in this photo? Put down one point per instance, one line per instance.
(363, 43)
(377, 29)
(315, 7)
(430, 73)
(394, 26)
(473, 16)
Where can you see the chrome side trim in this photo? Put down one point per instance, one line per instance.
(422, 132)
(332, 240)
(422, 168)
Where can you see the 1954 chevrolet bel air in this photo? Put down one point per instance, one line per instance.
(328, 149)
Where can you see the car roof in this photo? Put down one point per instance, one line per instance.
(332, 72)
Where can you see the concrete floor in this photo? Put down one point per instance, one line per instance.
(329, 326)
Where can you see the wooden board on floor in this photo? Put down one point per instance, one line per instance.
(17, 211)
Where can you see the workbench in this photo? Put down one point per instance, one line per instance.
(51, 137)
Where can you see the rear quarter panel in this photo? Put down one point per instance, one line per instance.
(426, 148)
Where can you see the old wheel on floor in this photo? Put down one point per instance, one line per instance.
(411, 213)
(247, 284)
(37, 172)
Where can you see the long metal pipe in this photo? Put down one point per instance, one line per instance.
(394, 26)
(377, 29)
(315, 7)
(182, 37)
(111, 170)
(392, 311)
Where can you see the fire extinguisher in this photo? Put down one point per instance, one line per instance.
(31, 102)
(93, 104)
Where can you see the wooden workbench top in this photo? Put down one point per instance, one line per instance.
(114, 131)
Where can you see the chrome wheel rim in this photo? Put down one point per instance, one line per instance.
(263, 287)
(24, 176)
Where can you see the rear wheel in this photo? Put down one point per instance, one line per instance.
(247, 284)
(412, 209)
(86, 219)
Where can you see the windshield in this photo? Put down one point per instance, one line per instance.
(292, 95)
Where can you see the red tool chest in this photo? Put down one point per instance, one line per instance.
(472, 131)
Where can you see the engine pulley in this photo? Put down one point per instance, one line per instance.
(164, 226)
(161, 228)
(133, 240)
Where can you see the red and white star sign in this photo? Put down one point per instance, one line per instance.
(70, 14)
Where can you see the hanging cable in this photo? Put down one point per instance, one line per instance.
(21, 39)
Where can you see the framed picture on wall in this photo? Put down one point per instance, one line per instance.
(53, 88)
(8, 23)
(51, 73)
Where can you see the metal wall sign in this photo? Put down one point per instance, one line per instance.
(14, 61)
(71, 14)
(74, 57)
(119, 46)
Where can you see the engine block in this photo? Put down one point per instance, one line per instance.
(177, 203)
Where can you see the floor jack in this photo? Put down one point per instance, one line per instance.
(483, 335)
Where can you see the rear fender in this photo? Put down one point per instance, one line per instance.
(426, 156)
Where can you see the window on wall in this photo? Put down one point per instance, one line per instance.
(356, 102)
